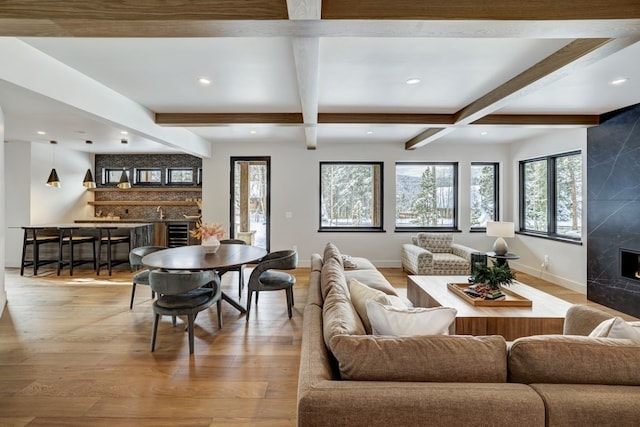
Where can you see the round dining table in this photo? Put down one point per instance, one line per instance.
(195, 258)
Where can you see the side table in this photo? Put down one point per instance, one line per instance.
(502, 259)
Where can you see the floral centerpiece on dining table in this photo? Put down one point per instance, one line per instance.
(209, 235)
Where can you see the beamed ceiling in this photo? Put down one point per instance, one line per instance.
(311, 72)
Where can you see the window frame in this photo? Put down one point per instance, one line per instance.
(380, 198)
(456, 220)
(552, 201)
(496, 193)
(137, 177)
(169, 181)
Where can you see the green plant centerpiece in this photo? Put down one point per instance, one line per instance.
(489, 279)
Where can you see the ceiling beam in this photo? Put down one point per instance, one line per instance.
(471, 10)
(222, 119)
(144, 10)
(426, 137)
(539, 120)
(385, 118)
(572, 57)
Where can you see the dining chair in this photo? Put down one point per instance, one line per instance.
(239, 269)
(183, 293)
(142, 276)
(267, 277)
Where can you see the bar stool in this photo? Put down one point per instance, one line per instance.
(36, 237)
(67, 237)
(106, 237)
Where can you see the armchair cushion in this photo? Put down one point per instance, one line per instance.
(435, 242)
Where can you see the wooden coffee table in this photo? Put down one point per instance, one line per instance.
(545, 316)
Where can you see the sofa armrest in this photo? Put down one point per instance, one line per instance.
(416, 260)
(582, 319)
(463, 251)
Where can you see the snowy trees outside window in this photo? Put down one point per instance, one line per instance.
(551, 195)
(351, 196)
(484, 194)
(426, 195)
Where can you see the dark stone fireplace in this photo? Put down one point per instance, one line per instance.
(613, 211)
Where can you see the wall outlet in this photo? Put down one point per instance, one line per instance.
(545, 262)
(295, 248)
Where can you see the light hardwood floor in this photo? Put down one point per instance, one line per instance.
(73, 354)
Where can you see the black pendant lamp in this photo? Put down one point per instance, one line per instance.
(88, 181)
(53, 180)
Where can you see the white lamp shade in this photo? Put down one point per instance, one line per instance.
(500, 229)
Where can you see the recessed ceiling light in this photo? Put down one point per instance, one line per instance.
(369, 132)
(619, 81)
(413, 81)
(253, 131)
(484, 132)
(204, 81)
(124, 132)
(41, 132)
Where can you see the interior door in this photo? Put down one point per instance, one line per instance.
(250, 200)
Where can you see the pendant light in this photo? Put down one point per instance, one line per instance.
(53, 180)
(124, 179)
(88, 181)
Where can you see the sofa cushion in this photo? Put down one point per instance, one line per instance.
(435, 358)
(332, 275)
(589, 405)
(616, 327)
(445, 263)
(332, 251)
(339, 316)
(557, 359)
(390, 320)
(435, 242)
(360, 295)
(372, 278)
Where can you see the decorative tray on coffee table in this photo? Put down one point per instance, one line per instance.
(511, 299)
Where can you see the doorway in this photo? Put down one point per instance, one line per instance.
(251, 200)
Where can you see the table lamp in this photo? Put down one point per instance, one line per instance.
(500, 229)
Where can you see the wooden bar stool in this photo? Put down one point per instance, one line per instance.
(70, 239)
(110, 240)
(37, 237)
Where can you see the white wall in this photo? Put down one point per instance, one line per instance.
(3, 293)
(295, 188)
(29, 164)
(568, 262)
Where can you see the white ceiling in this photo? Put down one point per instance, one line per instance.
(353, 74)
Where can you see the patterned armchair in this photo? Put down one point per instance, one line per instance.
(435, 254)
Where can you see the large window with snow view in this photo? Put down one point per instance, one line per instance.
(351, 196)
(426, 196)
(484, 194)
(551, 196)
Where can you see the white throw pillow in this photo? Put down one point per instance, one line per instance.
(360, 294)
(617, 328)
(389, 320)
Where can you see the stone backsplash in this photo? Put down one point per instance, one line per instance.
(186, 195)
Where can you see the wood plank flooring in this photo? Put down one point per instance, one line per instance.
(73, 354)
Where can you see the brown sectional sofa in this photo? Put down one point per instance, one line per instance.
(348, 378)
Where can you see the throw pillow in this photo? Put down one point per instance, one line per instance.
(347, 261)
(616, 327)
(389, 320)
(361, 293)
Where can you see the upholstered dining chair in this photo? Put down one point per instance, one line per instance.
(266, 277)
(239, 269)
(183, 293)
(142, 276)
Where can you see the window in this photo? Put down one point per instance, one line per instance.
(551, 196)
(351, 196)
(112, 175)
(148, 176)
(180, 176)
(426, 196)
(484, 194)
